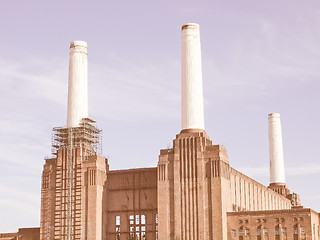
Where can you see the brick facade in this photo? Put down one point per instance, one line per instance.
(289, 224)
(193, 193)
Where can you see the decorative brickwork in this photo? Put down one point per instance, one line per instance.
(290, 224)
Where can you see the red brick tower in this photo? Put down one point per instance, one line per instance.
(192, 199)
(73, 180)
(192, 203)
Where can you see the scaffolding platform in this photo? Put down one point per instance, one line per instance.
(85, 135)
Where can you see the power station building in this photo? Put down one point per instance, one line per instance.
(193, 192)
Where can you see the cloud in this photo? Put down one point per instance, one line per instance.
(139, 91)
(270, 52)
(23, 143)
(18, 202)
(308, 169)
(33, 79)
(311, 197)
(25, 196)
(254, 171)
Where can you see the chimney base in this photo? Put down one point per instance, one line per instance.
(192, 130)
(280, 188)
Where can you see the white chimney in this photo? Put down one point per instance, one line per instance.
(192, 116)
(275, 149)
(78, 84)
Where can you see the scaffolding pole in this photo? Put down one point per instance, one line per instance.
(69, 184)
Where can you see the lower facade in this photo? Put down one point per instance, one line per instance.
(193, 193)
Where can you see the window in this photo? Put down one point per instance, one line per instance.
(247, 232)
(156, 221)
(284, 231)
(295, 232)
(137, 227)
(117, 220)
(246, 221)
(131, 219)
(265, 232)
(303, 233)
(117, 228)
(241, 233)
(259, 232)
(233, 233)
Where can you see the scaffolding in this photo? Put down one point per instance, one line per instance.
(85, 135)
(69, 184)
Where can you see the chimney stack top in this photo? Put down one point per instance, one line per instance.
(74, 44)
(190, 26)
(271, 115)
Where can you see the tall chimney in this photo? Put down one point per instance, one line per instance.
(78, 83)
(192, 116)
(275, 150)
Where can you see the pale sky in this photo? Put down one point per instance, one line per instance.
(258, 57)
